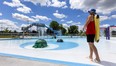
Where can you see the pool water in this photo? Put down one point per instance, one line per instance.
(59, 45)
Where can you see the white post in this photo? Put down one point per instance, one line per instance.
(110, 31)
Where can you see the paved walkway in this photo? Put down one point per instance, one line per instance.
(10, 61)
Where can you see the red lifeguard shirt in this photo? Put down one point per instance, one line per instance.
(90, 28)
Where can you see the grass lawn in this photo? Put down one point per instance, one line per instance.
(8, 36)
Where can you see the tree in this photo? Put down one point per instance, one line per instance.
(73, 29)
(105, 32)
(15, 31)
(54, 25)
(81, 33)
(63, 30)
(6, 30)
(48, 31)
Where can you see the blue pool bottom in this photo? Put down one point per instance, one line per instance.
(61, 45)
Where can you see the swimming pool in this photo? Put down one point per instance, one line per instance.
(72, 51)
(52, 45)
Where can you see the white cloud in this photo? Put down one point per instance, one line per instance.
(78, 15)
(76, 23)
(14, 3)
(38, 17)
(20, 7)
(69, 21)
(22, 17)
(41, 2)
(62, 20)
(65, 6)
(53, 3)
(65, 26)
(58, 15)
(24, 9)
(31, 28)
(0, 14)
(80, 27)
(5, 23)
(24, 25)
(102, 6)
(104, 25)
(113, 16)
(56, 3)
(73, 23)
(102, 18)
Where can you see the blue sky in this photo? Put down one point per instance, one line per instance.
(19, 13)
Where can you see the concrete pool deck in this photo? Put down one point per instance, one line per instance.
(11, 61)
(75, 56)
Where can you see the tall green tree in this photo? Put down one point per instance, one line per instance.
(14, 31)
(6, 30)
(48, 31)
(63, 30)
(54, 25)
(73, 29)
